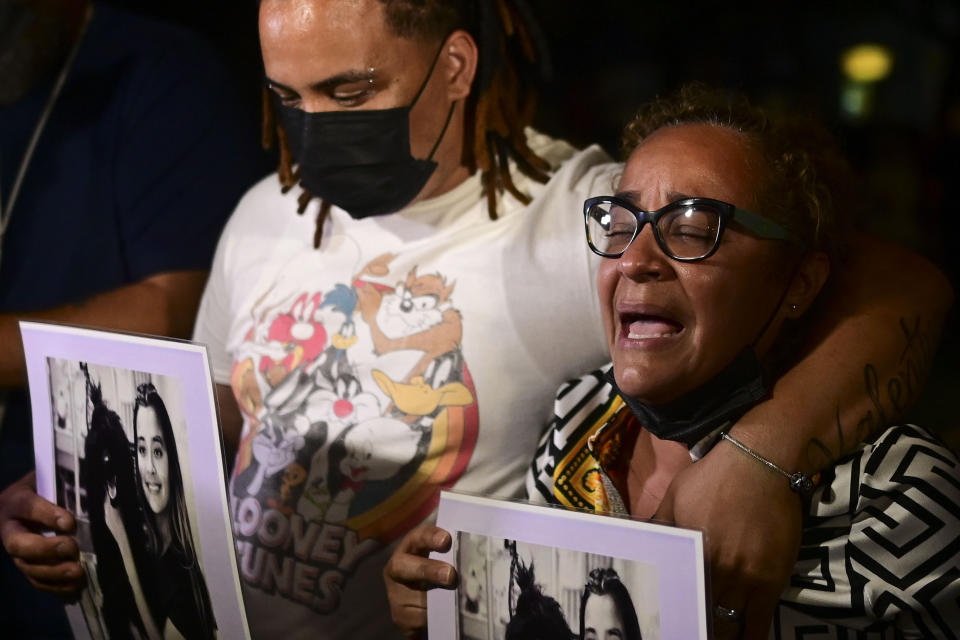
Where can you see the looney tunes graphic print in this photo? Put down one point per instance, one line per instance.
(359, 408)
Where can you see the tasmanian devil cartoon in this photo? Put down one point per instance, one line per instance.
(418, 314)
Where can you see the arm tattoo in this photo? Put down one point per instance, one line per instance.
(890, 400)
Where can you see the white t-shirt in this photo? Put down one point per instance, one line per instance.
(365, 368)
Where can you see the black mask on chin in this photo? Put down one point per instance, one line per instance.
(360, 160)
(693, 415)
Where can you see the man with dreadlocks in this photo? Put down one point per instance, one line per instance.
(360, 338)
(406, 332)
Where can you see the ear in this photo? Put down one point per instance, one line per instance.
(459, 62)
(811, 275)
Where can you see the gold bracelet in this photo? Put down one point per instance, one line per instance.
(799, 481)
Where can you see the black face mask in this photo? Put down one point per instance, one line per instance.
(695, 414)
(360, 160)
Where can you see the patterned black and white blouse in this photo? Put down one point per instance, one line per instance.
(880, 553)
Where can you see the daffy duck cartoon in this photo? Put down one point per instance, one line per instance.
(426, 396)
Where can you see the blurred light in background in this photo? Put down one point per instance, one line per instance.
(866, 62)
(864, 65)
(856, 99)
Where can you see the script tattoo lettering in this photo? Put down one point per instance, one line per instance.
(888, 400)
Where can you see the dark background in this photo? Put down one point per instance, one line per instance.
(609, 56)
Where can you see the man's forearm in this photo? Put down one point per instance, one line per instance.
(164, 304)
(868, 360)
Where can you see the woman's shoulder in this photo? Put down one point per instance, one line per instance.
(589, 388)
(580, 407)
(907, 436)
(907, 457)
(905, 468)
(881, 542)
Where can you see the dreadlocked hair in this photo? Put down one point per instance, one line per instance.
(500, 106)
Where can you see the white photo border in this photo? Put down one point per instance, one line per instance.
(180, 359)
(677, 553)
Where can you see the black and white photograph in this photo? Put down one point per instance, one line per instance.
(510, 589)
(126, 439)
(534, 571)
(120, 471)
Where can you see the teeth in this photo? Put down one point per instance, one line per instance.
(646, 327)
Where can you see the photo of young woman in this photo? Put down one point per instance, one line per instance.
(513, 589)
(179, 599)
(119, 471)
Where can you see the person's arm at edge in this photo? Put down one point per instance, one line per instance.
(869, 356)
(163, 304)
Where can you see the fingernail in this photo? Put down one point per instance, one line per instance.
(63, 523)
(445, 575)
(439, 539)
(63, 549)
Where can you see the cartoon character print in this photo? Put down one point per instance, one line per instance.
(418, 315)
(285, 339)
(373, 450)
(339, 405)
(348, 394)
(344, 300)
(300, 336)
(281, 431)
(424, 396)
(293, 475)
(280, 341)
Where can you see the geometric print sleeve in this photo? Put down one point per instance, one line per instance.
(579, 409)
(880, 554)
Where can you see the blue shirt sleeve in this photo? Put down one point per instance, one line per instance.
(185, 154)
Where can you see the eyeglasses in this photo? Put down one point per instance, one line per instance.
(686, 230)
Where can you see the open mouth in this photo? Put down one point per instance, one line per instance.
(357, 472)
(644, 327)
(153, 487)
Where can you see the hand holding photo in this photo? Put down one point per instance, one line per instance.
(565, 574)
(127, 440)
